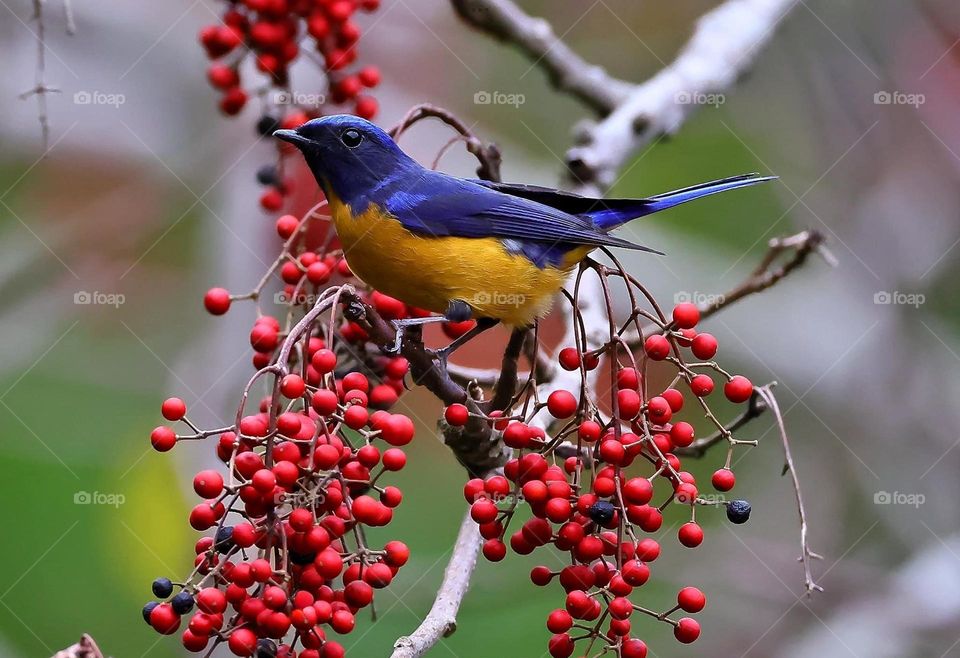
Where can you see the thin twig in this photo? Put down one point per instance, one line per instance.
(40, 88)
(755, 407)
(806, 554)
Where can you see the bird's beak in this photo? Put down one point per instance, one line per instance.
(293, 137)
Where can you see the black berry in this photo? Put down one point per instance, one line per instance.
(162, 587)
(147, 609)
(266, 648)
(267, 175)
(267, 124)
(738, 511)
(182, 603)
(223, 542)
(601, 512)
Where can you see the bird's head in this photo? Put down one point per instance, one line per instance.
(347, 155)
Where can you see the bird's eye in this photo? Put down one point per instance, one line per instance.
(351, 138)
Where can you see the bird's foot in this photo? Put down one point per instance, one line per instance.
(401, 327)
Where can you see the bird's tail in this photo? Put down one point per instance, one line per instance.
(615, 212)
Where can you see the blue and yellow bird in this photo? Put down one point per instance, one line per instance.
(496, 252)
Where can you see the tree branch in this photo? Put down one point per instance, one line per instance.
(567, 71)
(441, 621)
(723, 46)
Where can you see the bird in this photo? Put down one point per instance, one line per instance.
(463, 248)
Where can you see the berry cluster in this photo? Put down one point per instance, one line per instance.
(286, 552)
(272, 32)
(598, 504)
(285, 555)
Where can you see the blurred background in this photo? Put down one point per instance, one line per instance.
(109, 241)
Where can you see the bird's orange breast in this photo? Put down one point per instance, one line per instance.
(430, 272)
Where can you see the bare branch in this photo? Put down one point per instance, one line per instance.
(568, 72)
(806, 554)
(724, 44)
(40, 88)
(755, 407)
(441, 621)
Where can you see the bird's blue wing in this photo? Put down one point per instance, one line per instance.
(439, 205)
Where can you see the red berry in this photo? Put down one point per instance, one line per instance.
(369, 76)
(164, 620)
(628, 403)
(682, 434)
(657, 347)
(163, 439)
(242, 642)
(287, 225)
(686, 315)
(633, 648)
(456, 415)
(569, 358)
(292, 386)
(217, 301)
(723, 479)
(701, 385)
(562, 404)
(690, 535)
(494, 550)
(173, 409)
(704, 346)
(738, 389)
(559, 621)
(367, 108)
(324, 361)
(687, 630)
(690, 599)
(208, 484)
